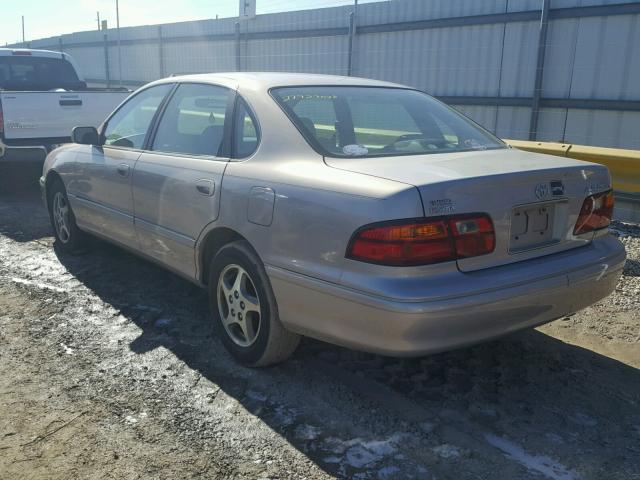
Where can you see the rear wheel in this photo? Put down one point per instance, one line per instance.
(244, 308)
(68, 236)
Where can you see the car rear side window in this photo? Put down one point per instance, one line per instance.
(129, 125)
(193, 122)
(245, 132)
(317, 114)
(345, 121)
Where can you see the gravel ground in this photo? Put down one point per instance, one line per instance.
(110, 369)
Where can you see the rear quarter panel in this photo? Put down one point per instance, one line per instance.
(316, 210)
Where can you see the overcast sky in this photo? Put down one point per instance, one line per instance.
(46, 18)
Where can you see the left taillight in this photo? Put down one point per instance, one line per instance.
(424, 241)
(596, 213)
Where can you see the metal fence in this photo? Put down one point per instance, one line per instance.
(557, 70)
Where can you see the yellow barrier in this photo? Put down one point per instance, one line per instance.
(624, 165)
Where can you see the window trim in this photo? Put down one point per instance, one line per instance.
(315, 145)
(226, 134)
(105, 124)
(254, 119)
(151, 135)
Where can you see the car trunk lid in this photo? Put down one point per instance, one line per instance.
(534, 200)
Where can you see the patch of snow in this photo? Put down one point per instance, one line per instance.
(284, 416)
(307, 432)
(67, 350)
(336, 445)
(447, 451)
(388, 473)
(554, 438)
(583, 419)
(366, 453)
(538, 463)
(359, 456)
(380, 447)
(162, 322)
(332, 459)
(256, 395)
(39, 285)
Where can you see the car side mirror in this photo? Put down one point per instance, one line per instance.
(85, 135)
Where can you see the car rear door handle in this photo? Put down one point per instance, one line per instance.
(123, 170)
(205, 187)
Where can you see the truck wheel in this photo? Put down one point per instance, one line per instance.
(69, 237)
(244, 308)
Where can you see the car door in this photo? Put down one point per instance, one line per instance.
(176, 184)
(103, 173)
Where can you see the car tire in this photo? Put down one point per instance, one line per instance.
(244, 308)
(69, 238)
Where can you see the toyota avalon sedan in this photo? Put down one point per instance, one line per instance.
(358, 212)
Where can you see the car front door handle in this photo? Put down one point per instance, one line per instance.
(123, 170)
(205, 187)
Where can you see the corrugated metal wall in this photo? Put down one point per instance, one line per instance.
(480, 55)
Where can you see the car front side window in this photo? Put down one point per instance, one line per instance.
(128, 127)
(194, 121)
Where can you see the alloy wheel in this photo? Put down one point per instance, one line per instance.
(239, 305)
(61, 217)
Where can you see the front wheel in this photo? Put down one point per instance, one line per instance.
(68, 236)
(244, 308)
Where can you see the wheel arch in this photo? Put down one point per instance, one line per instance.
(51, 177)
(211, 244)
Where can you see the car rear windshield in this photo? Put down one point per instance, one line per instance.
(379, 121)
(23, 72)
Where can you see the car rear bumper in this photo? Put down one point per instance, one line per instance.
(382, 325)
(22, 154)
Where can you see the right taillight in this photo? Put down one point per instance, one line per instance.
(1, 120)
(423, 241)
(596, 213)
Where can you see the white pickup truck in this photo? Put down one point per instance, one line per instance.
(42, 97)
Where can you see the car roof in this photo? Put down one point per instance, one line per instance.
(7, 52)
(267, 80)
